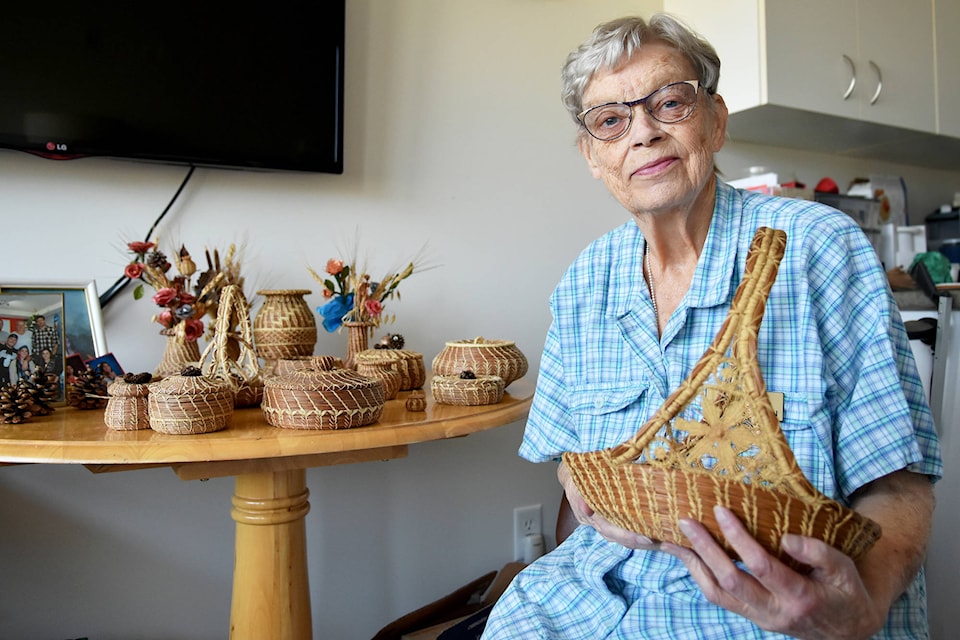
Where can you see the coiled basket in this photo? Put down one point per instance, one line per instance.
(736, 456)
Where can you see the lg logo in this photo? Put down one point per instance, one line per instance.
(54, 146)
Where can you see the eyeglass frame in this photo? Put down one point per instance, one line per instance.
(639, 101)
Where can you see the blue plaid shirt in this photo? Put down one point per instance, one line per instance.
(831, 342)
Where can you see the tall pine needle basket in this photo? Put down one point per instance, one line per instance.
(735, 456)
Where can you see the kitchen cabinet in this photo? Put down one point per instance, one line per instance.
(872, 60)
(853, 77)
(946, 22)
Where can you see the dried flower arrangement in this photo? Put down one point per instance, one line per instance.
(182, 301)
(354, 296)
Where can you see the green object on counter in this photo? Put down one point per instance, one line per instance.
(937, 264)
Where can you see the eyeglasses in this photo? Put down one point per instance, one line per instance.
(669, 104)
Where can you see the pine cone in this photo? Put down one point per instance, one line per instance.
(89, 391)
(158, 260)
(44, 388)
(16, 404)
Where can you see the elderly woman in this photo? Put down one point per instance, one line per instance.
(635, 312)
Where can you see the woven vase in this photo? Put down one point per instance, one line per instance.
(178, 353)
(358, 337)
(284, 326)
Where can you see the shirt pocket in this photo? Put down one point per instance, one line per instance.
(809, 437)
(607, 415)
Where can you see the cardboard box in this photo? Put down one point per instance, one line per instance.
(471, 626)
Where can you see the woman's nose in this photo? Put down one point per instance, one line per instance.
(645, 129)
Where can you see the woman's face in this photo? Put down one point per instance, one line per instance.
(655, 167)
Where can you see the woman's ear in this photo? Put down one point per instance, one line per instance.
(720, 115)
(585, 143)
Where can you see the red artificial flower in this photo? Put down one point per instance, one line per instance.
(165, 318)
(193, 329)
(334, 266)
(140, 248)
(373, 307)
(165, 296)
(133, 270)
(187, 297)
(327, 293)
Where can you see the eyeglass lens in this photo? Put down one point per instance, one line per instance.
(668, 104)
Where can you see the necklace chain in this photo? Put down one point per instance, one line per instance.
(653, 292)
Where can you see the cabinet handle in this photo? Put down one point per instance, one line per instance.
(876, 94)
(853, 76)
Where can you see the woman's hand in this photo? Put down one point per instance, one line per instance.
(829, 602)
(585, 515)
(838, 599)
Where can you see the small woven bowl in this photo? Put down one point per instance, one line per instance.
(409, 364)
(127, 408)
(322, 399)
(188, 404)
(483, 357)
(385, 373)
(467, 392)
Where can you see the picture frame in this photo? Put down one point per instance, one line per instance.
(108, 367)
(82, 317)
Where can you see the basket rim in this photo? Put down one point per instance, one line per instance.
(482, 345)
(297, 292)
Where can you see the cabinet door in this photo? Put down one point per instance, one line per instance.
(811, 53)
(947, 21)
(897, 37)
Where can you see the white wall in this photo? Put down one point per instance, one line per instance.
(454, 136)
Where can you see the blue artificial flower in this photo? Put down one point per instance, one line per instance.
(334, 311)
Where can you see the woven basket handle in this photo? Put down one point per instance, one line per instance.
(742, 322)
(232, 310)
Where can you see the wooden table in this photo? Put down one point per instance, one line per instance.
(271, 594)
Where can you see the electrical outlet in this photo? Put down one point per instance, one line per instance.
(526, 521)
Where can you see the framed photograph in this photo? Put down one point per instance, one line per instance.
(79, 319)
(108, 367)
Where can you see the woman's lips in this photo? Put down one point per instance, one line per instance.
(655, 167)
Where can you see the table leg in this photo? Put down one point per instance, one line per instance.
(271, 595)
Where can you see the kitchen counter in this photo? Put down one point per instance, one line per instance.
(916, 300)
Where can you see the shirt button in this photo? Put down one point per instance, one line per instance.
(599, 401)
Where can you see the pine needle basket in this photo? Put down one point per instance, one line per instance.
(469, 392)
(233, 332)
(736, 456)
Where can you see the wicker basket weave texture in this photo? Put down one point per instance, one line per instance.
(284, 326)
(409, 364)
(470, 392)
(736, 456)
(232, 327)
(483, 357)
(183, 405)
(312, 399)
(386, 373)
(127, 408)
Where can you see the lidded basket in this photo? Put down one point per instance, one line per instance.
(409, 364)
(313, 398)
(284, 366)
(127, 408)
(473, 391)
(483, 357)
(190, 403)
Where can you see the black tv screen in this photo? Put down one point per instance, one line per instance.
(250, 85)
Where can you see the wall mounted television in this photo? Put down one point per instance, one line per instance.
(223, 84)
